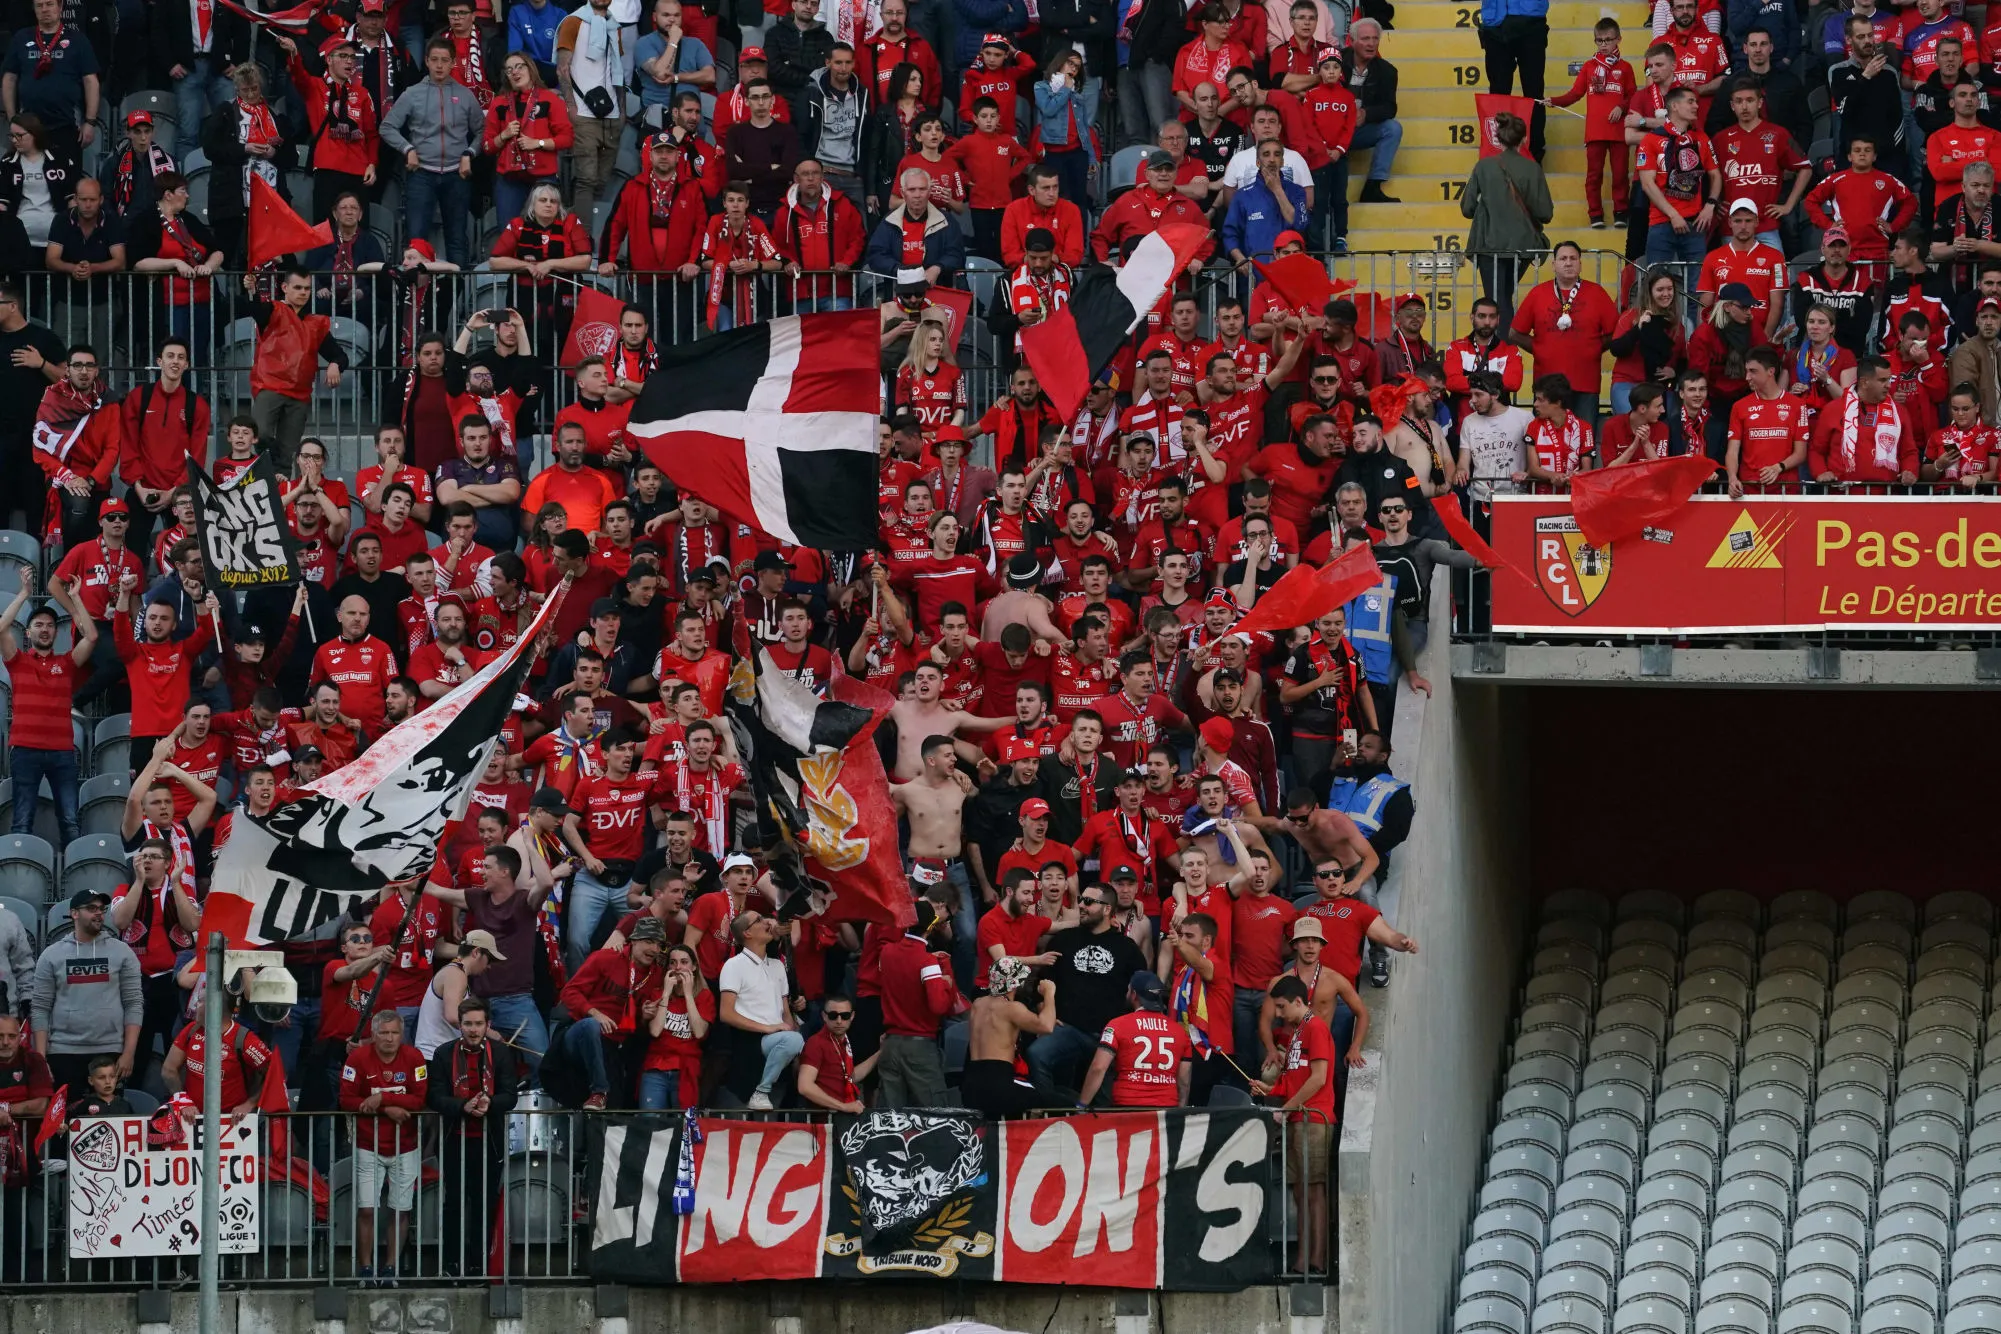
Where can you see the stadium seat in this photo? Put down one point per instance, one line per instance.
(1649, 1316)
(29, 915)
(1748, 1223)
(1856, 1167)
(1626, 1042)
(1928, 1164)
(1697, 1132)
(1560, 1075)
(1698, 1071)
(1947, 1075)
(1835, 1194)
(1920, 1226)
(1776, 1167)
(18, 551)
(1957, 959)
(1617, 1070)
(1759, 1193)
(1570, 931)
(1976, 1317)
(1976, 1257)
(1901, 1286)
(1865, 1014)
(1732, 931)
(1815, 1286)
(1732, 1317)
(1601, 1160)
(1693, 1099)
(1764, 1132)
(1846, 1132)
(1897, 1317)
(1739, 963)
(1613, 1099)
(1710, 1042)
(1928, 1130)
(1594, 1189)
(1815, 1317)
(1648, 931)
(1489, 1315)
(1644, 956)
(1904, 1255)
(1879, 987)
(1512, 1252)
(1561, 986)
(101, 803)
(1873, 1073)
(1551, 1042)
(1637, 984)
(1951, 989)
(1568, 1315)
(1796, 956)
(1730, 903)
(1979, 1287)
(1677, 1190)
(1773, 1099)
(111, 746)
(27, 868)
(1824, 1253)
(1809, 904)
(1755, 1253)
(55, 920)
(1584, 1280)
(1523, 1224)
(1564, 1015)
(1959, 903)
(1537, 1099)
(1567, 959)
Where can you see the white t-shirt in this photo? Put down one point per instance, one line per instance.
(1497, 447)
(760, 987)
(38, 212)
(1243, 169)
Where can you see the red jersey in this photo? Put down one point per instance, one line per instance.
(1185, 354)
(1871, 205)
(1147, 1050)
(1754, 162)
(1975, 446)
(1312, 1042)
(158, 674)
(1331, 107)
(1681, 163)
(1758, 267)
(416, 946)
(1299, 482)
(1560, 449)
(44, 684)
(936, 580)
(990, 163)
(94, 572)
(203, 761)
(362, 668)
(242, 1050)
(1132, 729)
(1951, 150)
(1603, 84)
(402, 1081)
(340, 1002)
(614, 814)
(1577, 352)
(936, 396)
(1017, 937)
(1766, 430)
(1345, 922)
(1078, 685)
(1261, 926)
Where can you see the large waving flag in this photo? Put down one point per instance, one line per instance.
(774, 424)
(1106, 305)
(371, 823)
(276, 230)
(1612, 503)
(1305, 593)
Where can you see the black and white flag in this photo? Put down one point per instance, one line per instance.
(246, 542)
(371, 823)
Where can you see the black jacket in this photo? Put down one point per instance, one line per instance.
(452, 1108)
(59, 171)
(222, 140)
(173, 33)
(1872, 107)
(1377, 94)
(795, 54)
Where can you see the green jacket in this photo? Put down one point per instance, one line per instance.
(1499, 223)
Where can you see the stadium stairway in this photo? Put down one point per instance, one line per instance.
(1436, 49)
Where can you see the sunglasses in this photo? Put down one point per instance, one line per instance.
(837, 1016)
(1326, 379)
(1095, 903)
(1392, 509)
(1328, 875)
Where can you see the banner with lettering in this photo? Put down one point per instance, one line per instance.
(130, 1194)
(246, 541)
(1763, 563)
(1169, 1200)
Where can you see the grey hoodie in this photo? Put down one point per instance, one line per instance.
(86, 995)
(17, 960)
(442, 121)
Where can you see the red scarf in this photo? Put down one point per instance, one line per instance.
(124, 175)
(660, 197)
(469, 65)
(45, 51)
(255, 125)
(1138, 842)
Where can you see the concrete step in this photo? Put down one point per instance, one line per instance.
(1464, 43)
(1560, 160)
(1564, 16)
(1423, 209)
(1379, 228)
(1418, 187)
(1447, 122)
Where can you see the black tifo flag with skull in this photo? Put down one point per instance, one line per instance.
(370, 823)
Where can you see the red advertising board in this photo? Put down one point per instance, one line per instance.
(1083, 1194)
(760, 1194)
(1760, 563)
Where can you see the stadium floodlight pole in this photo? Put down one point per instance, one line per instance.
(211, 1138)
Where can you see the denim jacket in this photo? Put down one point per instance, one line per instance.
(1053, 106)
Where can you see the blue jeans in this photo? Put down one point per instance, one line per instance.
(659, 1090)
(496, 526)
(1250, 1000)
(515, 1018)
(1383, 138)
(1059, 1058)
(29, 767)
(510, 196)
(589, 898)
(780, 1050)
(201, 90)
(288, 1038)
(1664, 245)
(584, 1042)
(426, 193)
(824, 303)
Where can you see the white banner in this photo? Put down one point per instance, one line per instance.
(129, 1198)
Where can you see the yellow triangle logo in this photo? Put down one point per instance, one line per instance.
(1746, 546)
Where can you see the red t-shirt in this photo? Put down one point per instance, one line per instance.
(1346, 922)
(614, 814)
(241, 1049)
(1761, 268)
(1312, 1042)
(402, 1082)
(1017, 936)
(410, 970)
(43, 686)
(1577, 353)
(1754, 162)
(711, 915)
(1766, 430)
(1147, 1050)
(1216, 1015)
(1262, 924)
(97, 573)
(833, 1062)
(341, 1002)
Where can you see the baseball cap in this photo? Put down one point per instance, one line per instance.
(1737, 292)
(1149, 988)
(253, 634)
(375, 6)
(1218, 733)
(1832, 235)
(335, 43)
(1987, 303)
(737, 859)
(83, 898)
(1744, 205)
(1308, 928)
(112, 505)
(1411, 299)
(602, 607)
(1035, 808)
(1020, 748)
(715, 572)
(1161, 160)
(666, 139)
(1123, 871)
(752, 53)
(549, 799)
(648, 927)
(141, 117)
(482, 940)
(771, 560)
(1286, 238)
(308, 755)
(1039, 240)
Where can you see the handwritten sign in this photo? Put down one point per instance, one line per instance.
(130, 1195)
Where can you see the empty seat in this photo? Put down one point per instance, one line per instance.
(1527, 1130)
(1856, 1167)
(1979, 1286)
(1741, 1284)
(1668, 1220)
(1567, 959)
(1987, 1107)
(1845, 1132)
(1759, 1162)
(1777, 1071)
(1977, 1257)
(27, 868)
(1886, 904)
(1509, 1221)
(1489, 1315)
(1629, 1042)
(1527, 1160)
(1937, 1072)
(1725, 1019)
(1825, 1193)
(1961, 959)
(1689, 1130)
(1904, 1255)
(1706, 1071)
(1537, 1099)
(1732, 1317)
(1755, 1226)
(1512, 1252)
(1956, 933)
(1901, 1285)
(1875, 958)
(1980, 1315)
(1865, 1014)
(1815, 1317)
(1732, 931)
(1742, 1250)
(1571, 931)
(1608, 1128)
(1552, 1042)
(1959, 903)
(1560, 1075)
(1647, 931)
(1950, 989)
(1916, 1193)
(1613, 1099)
(1580, 1252)
(1637, 984)
(1839, 1224)
(1693, 1099)
(1587, 1220)
(1802, 1019)
(1983, 1137)
(1920, 1226)
(1896, 1317)
(1619, 1070)
(1798, 988)
(1722, 957)
(1712, 1043)
(1824, 1252)
(1764, 1132)
(1659, 1284)
(1594, 1189)
(1852, 1100)
(1678, 1189)
(1893, 936)
(1934, 1131)
(1759, 1192)
(1869, 1073)
(1929, 1164)
(1570, 1313)
(1878, 987)
(1684, 1160)
(1578, 902)
(1860, 1044)
(1817, 1285)
(1644, 956)
(1633, 1014)
(1810, 904)
(1649, 1316)
(1975, 1228)
(1604, 1160)
(1728, 903)
(1946, 1014)
(1929, 1100)
(1798, 957)
(1671, 1253)
(1561, 986)
(1785, 1044)
(1564, 1014)
(1496, 1281)
(1778, 1100)
(1642, 903)
(1982, 1166)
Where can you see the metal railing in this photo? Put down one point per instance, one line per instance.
(518, 1211)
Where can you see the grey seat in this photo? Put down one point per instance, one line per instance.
(1943, 1043)
(1897, 1317)
(1883, 903)
(1646, 931)
(1797, 988)
(1865, 1014)
(1691, 1131)
(1815, 1317)
(1579, 903)
(1946, 1014)
(1746, 1226)
(1728, 903)
(1799, 956)
(1920, 1226)
(1668, 1220)
(1704, 1043)
(1581, 1252)
(1527, 1130)
(1567, 958)
(1735, 932)
(1633, 1014)
(1868, 1072)
(1929, 1100)
(1732, 1317)
(1683, 1160)
(1787, 1014)
(1930, 1164)
(1937, 1072)
(1523, 1224)
(1512, 1252)
(1987, 1107)
(1839, 1193)
(1496, 1282)
(1655, 903)
(1765, 1132)
(1760, 1162)
(1901, 1285)
(1860, 1044)
(1956, 932)
(1524, 1160)
(1671, 1253)
(1879, 987)
(1840, 1224)
(1713, 988)
(1977, 1257)
(1852, 1100)
(1489, 1315)
(1916, 1193)
(28, 868)
(1537, 1099)
(1950, 989)
(1980, 1286)
(1660, 1283)
(1935, 1131)
(1605, 1160)
(1620, 1070)
(1648, 1315)
(1725, 1019)
(1773, 1100)
(1785, 1044)
(1979, 1316)
(1613, 1098)
(1569, 1313)
(1560, 1075)
(1810, 904)
(1976, 1229)
(1594, 1189)
(1637, 984)
(1693, 1099)
(1722, 957)
(1707, 1071)
(1828, 1253)
(1742, 1250)
(1758, 1193)
(1896, 937)
(1959, 903)
(1676, 1189)
(1741, 1284)
(1606, 1128)
(1904, 1255)
(1588, 1220)
(1983, 1138)
(1630, 1043)
(1570, 931)
(1817, 1285)
(1961, 959)
(1777, 1071)
(1561, 986)
(1645, 956)
(1874, 957)
(1564, 1014)
(1856, 1167)
(1845, 1132)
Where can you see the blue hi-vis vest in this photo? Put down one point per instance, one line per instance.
(1369, 629)
(1363, 802)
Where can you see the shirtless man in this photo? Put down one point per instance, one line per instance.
(1323, 985)
(1328, 835)
(1212, 814)
(1231, 654)
(1420, 442)
(924, 716)
(933, 803)
(1021, 604)
(995, 1026)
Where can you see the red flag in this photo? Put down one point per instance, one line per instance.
(275, 230)
(957, 303)
(54, 1118)
(871, 887)
(1489, 105)
(1301, 280)
(1304, 594)
(1614, 503)
(496, 1244)
(293, 21)
(594, 327)
(1375, 316)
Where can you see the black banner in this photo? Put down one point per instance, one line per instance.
(246, 541)
(1155, 1200)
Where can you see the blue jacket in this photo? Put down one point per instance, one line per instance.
(977, 18)
(1052, 113)
(1254, 221)
(532, 31)
(1777, 18)
(944, 245)
(1493, 11)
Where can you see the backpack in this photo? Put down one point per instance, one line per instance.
(187, 403)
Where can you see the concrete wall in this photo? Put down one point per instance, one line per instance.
(752, 1308)
(1417, 1117)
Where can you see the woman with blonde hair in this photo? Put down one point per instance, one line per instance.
(929, 381)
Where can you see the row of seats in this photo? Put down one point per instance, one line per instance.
(1744, 1118)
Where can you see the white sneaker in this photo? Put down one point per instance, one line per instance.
(760, 1102)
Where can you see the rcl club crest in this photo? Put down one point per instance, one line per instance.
(1570, 571)
(594, 338)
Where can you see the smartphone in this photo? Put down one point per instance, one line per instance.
(498, 315)
(1349, 738)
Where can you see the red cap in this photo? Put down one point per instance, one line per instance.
(1019, 748)
(1286, 238)
(335, 43)
(996, 39)
(752, 53)
(1222, 597)
(1217, 734)
(141, 117)
(424, 248)
(1411, 299)
(948, 432)
(113, 505)
(1987, 303)
(1035, 808)
(375, 6)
